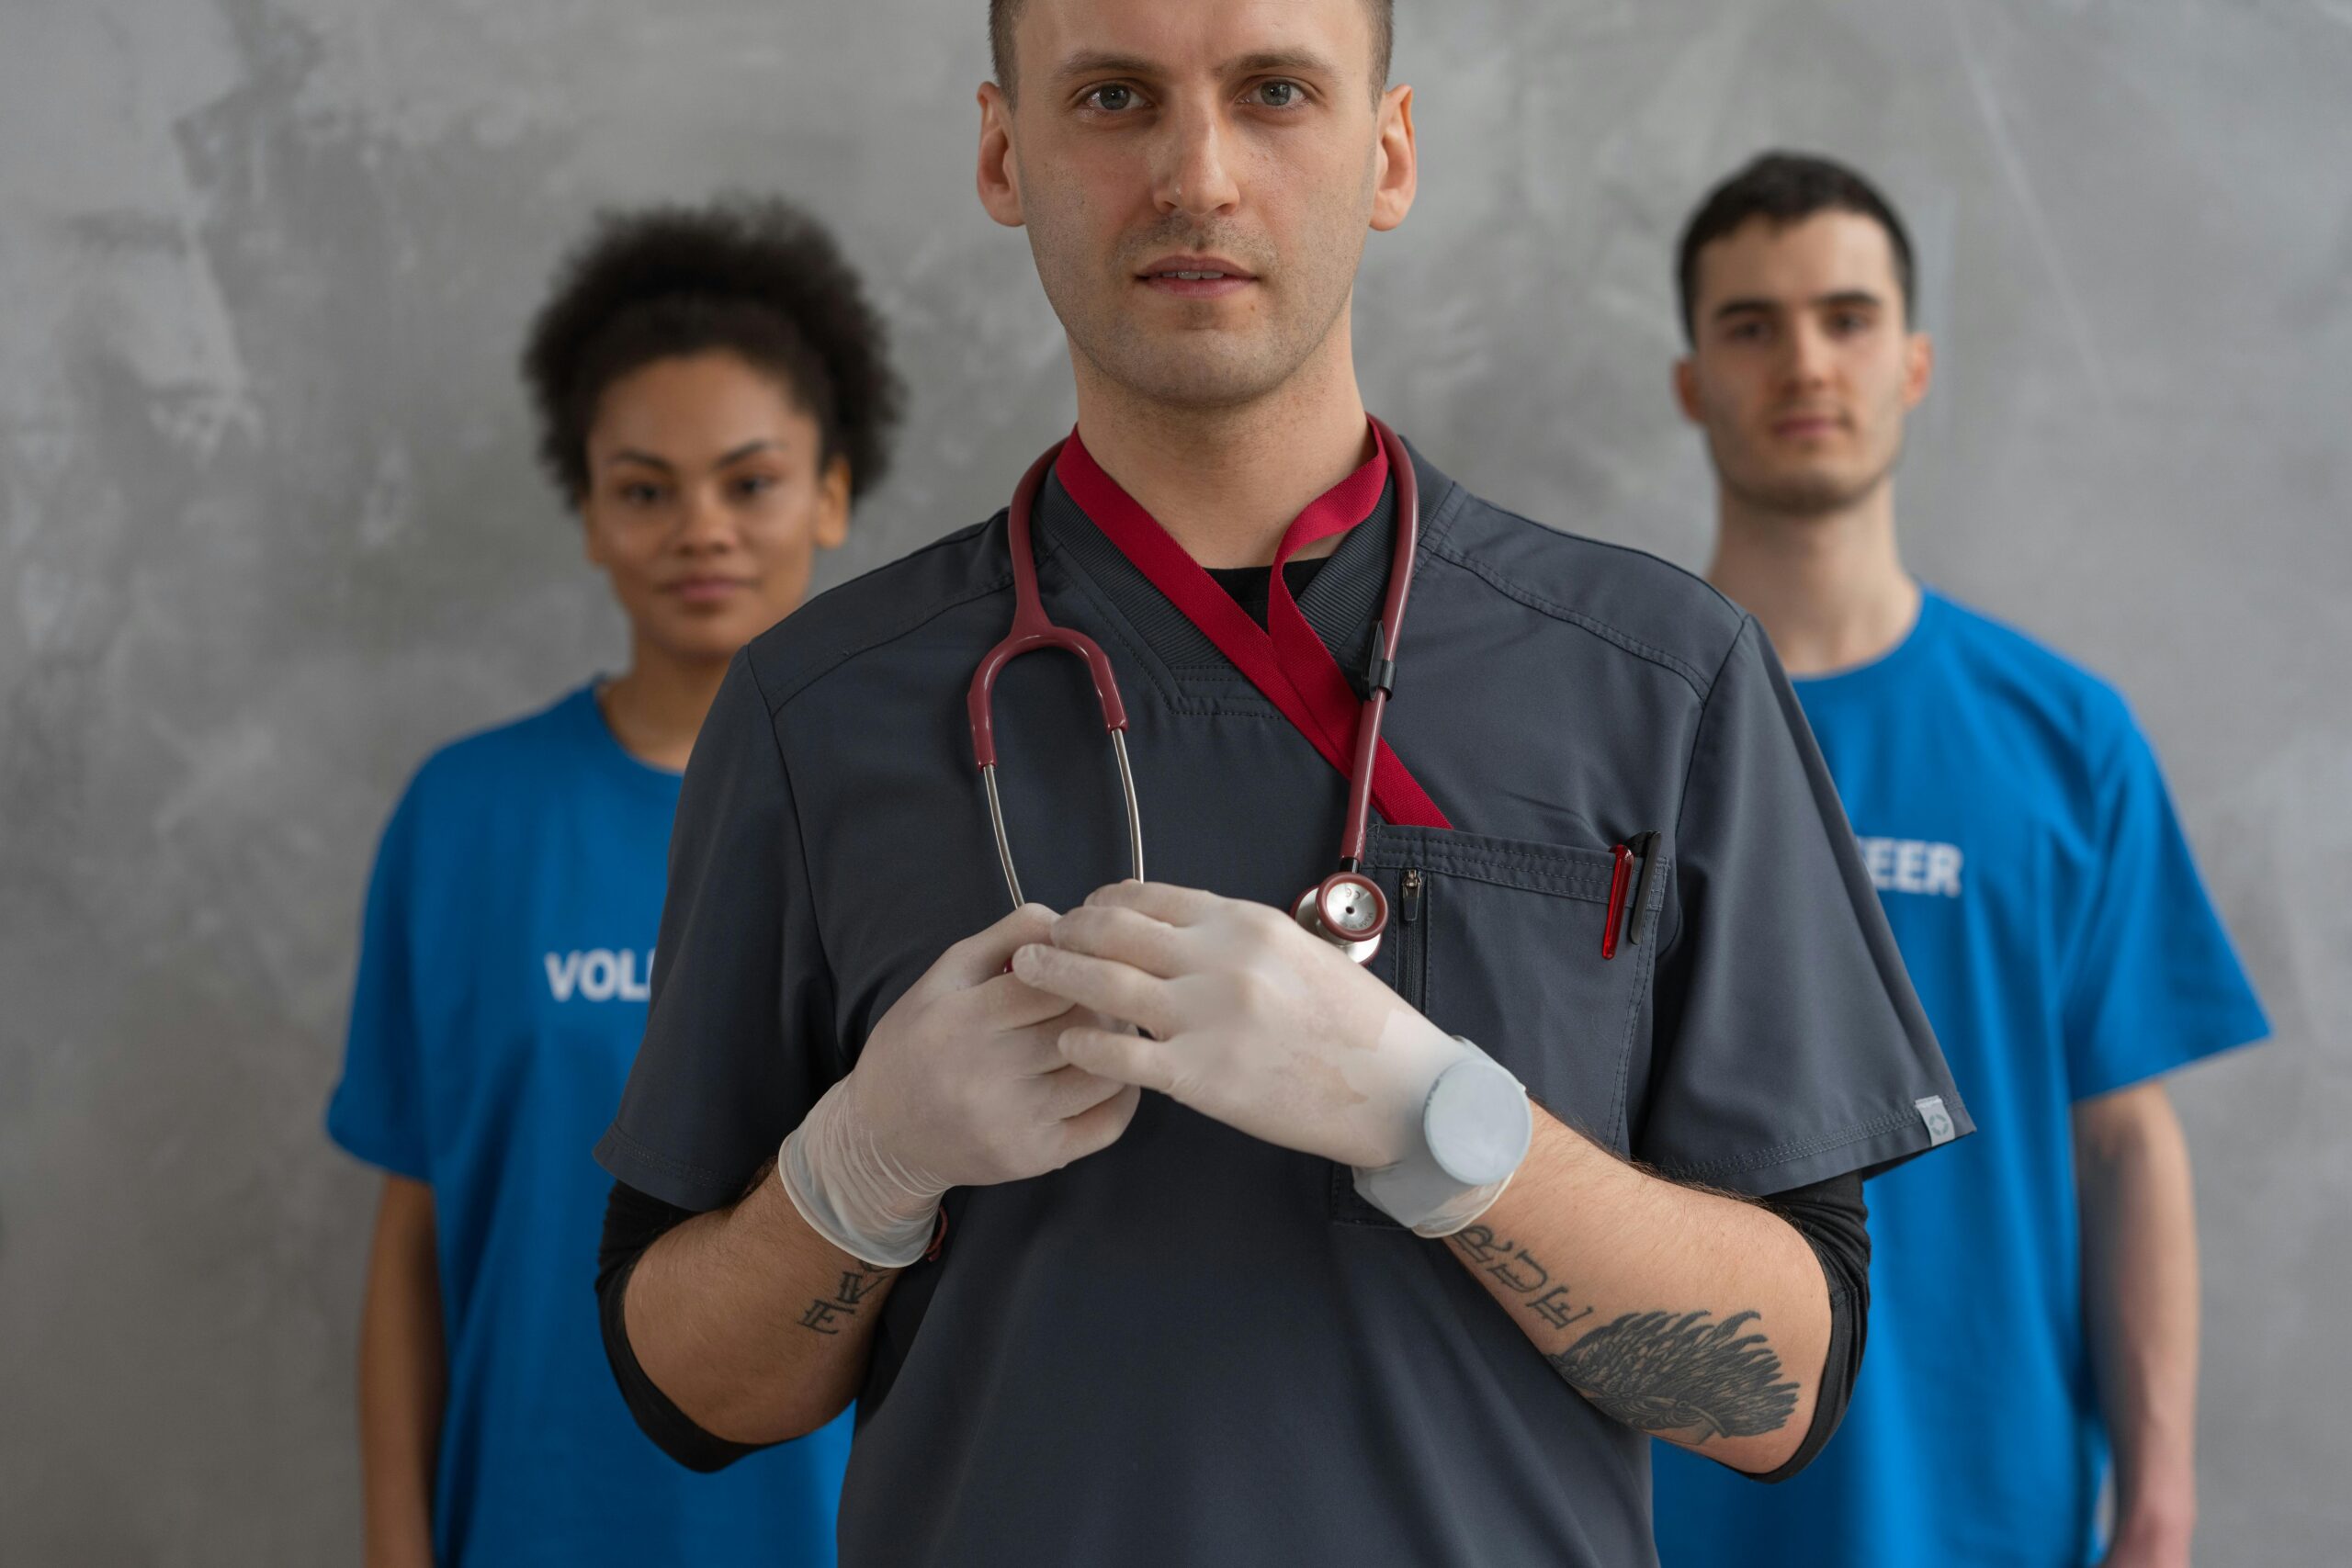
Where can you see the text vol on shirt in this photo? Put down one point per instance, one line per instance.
(600, 974)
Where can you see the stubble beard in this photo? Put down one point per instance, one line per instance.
(1202, 369)
(1800, 496)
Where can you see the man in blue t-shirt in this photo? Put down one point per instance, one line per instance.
(2035, 1289)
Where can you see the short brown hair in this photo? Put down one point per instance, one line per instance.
(1783, 188)
(1004, 14)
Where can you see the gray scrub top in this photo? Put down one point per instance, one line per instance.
(1196, 1347)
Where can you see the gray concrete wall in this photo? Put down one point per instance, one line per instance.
(270, 530)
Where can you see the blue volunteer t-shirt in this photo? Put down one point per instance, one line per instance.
(503, 980)
(2022, 841)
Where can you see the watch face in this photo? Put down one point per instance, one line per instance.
(1477, 1122)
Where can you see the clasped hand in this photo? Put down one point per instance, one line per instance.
(1248, 1017)
(976, 1076)
(961, 1084)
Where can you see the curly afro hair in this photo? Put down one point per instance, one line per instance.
(754, 276)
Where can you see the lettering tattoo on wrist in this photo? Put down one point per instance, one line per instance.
(1683, 1376)
(823, 1312)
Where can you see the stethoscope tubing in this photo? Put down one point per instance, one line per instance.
(1032, 631)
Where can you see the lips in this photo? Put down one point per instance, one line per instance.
(1194, 266)
(706, 590)
(1193, 277)
(1808, 425)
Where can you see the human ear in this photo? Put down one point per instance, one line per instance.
(832, 504)
(999, 174)
(1400, 173)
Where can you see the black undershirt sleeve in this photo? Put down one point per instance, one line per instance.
(634, 1221)
(1834, 1220)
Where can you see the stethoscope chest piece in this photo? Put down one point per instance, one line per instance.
(1347, 909)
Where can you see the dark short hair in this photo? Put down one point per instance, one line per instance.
(753, 276)
(1783, 188)
(1004, 14)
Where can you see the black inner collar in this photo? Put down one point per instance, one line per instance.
(1252, 586)
(1339, 594)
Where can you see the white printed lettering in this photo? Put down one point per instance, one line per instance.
(562, 974)
(1913, 865)
(600, 974)
(597, 980)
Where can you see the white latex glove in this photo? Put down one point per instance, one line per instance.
(1254, 1021)
(961, 1084)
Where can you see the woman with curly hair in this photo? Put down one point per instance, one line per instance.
(712, 391)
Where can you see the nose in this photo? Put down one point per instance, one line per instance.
(706, 526)
(1809, 356)
(1194, 178)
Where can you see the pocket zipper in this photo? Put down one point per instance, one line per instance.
(1646, 847)
(1411, 963)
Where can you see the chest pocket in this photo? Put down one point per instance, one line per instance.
(1499, 941)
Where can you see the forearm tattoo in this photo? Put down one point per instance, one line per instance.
(824, 1313)
(1684, 1376)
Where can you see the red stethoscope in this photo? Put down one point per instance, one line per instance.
(1347, 907)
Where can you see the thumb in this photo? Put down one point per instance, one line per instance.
(987, 952)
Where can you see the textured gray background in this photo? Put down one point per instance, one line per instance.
(268, 532)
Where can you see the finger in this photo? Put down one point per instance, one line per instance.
(1111, 988)
(1163, 901)
(1093, 1131)
(1007, 1002)
(1127, 936)
(1034, 1052)
(983, 955)
(1129, 1058)
(1072, 1091)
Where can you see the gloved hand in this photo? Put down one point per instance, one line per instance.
(1255, 1022)
(960, 1085)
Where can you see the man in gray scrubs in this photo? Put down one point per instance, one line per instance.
(1157, 1232)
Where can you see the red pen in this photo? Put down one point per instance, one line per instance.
(1622, 874)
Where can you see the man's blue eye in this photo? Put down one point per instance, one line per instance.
(1278, 95)
(1113, 98)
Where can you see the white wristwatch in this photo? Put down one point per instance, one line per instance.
(1475, 1125)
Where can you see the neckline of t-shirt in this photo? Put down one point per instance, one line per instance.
(1925, 627)
(1341, 602)
(617, 757)
(1252, 587)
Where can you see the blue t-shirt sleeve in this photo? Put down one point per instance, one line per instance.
(377, 1110)
(2153, 983)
